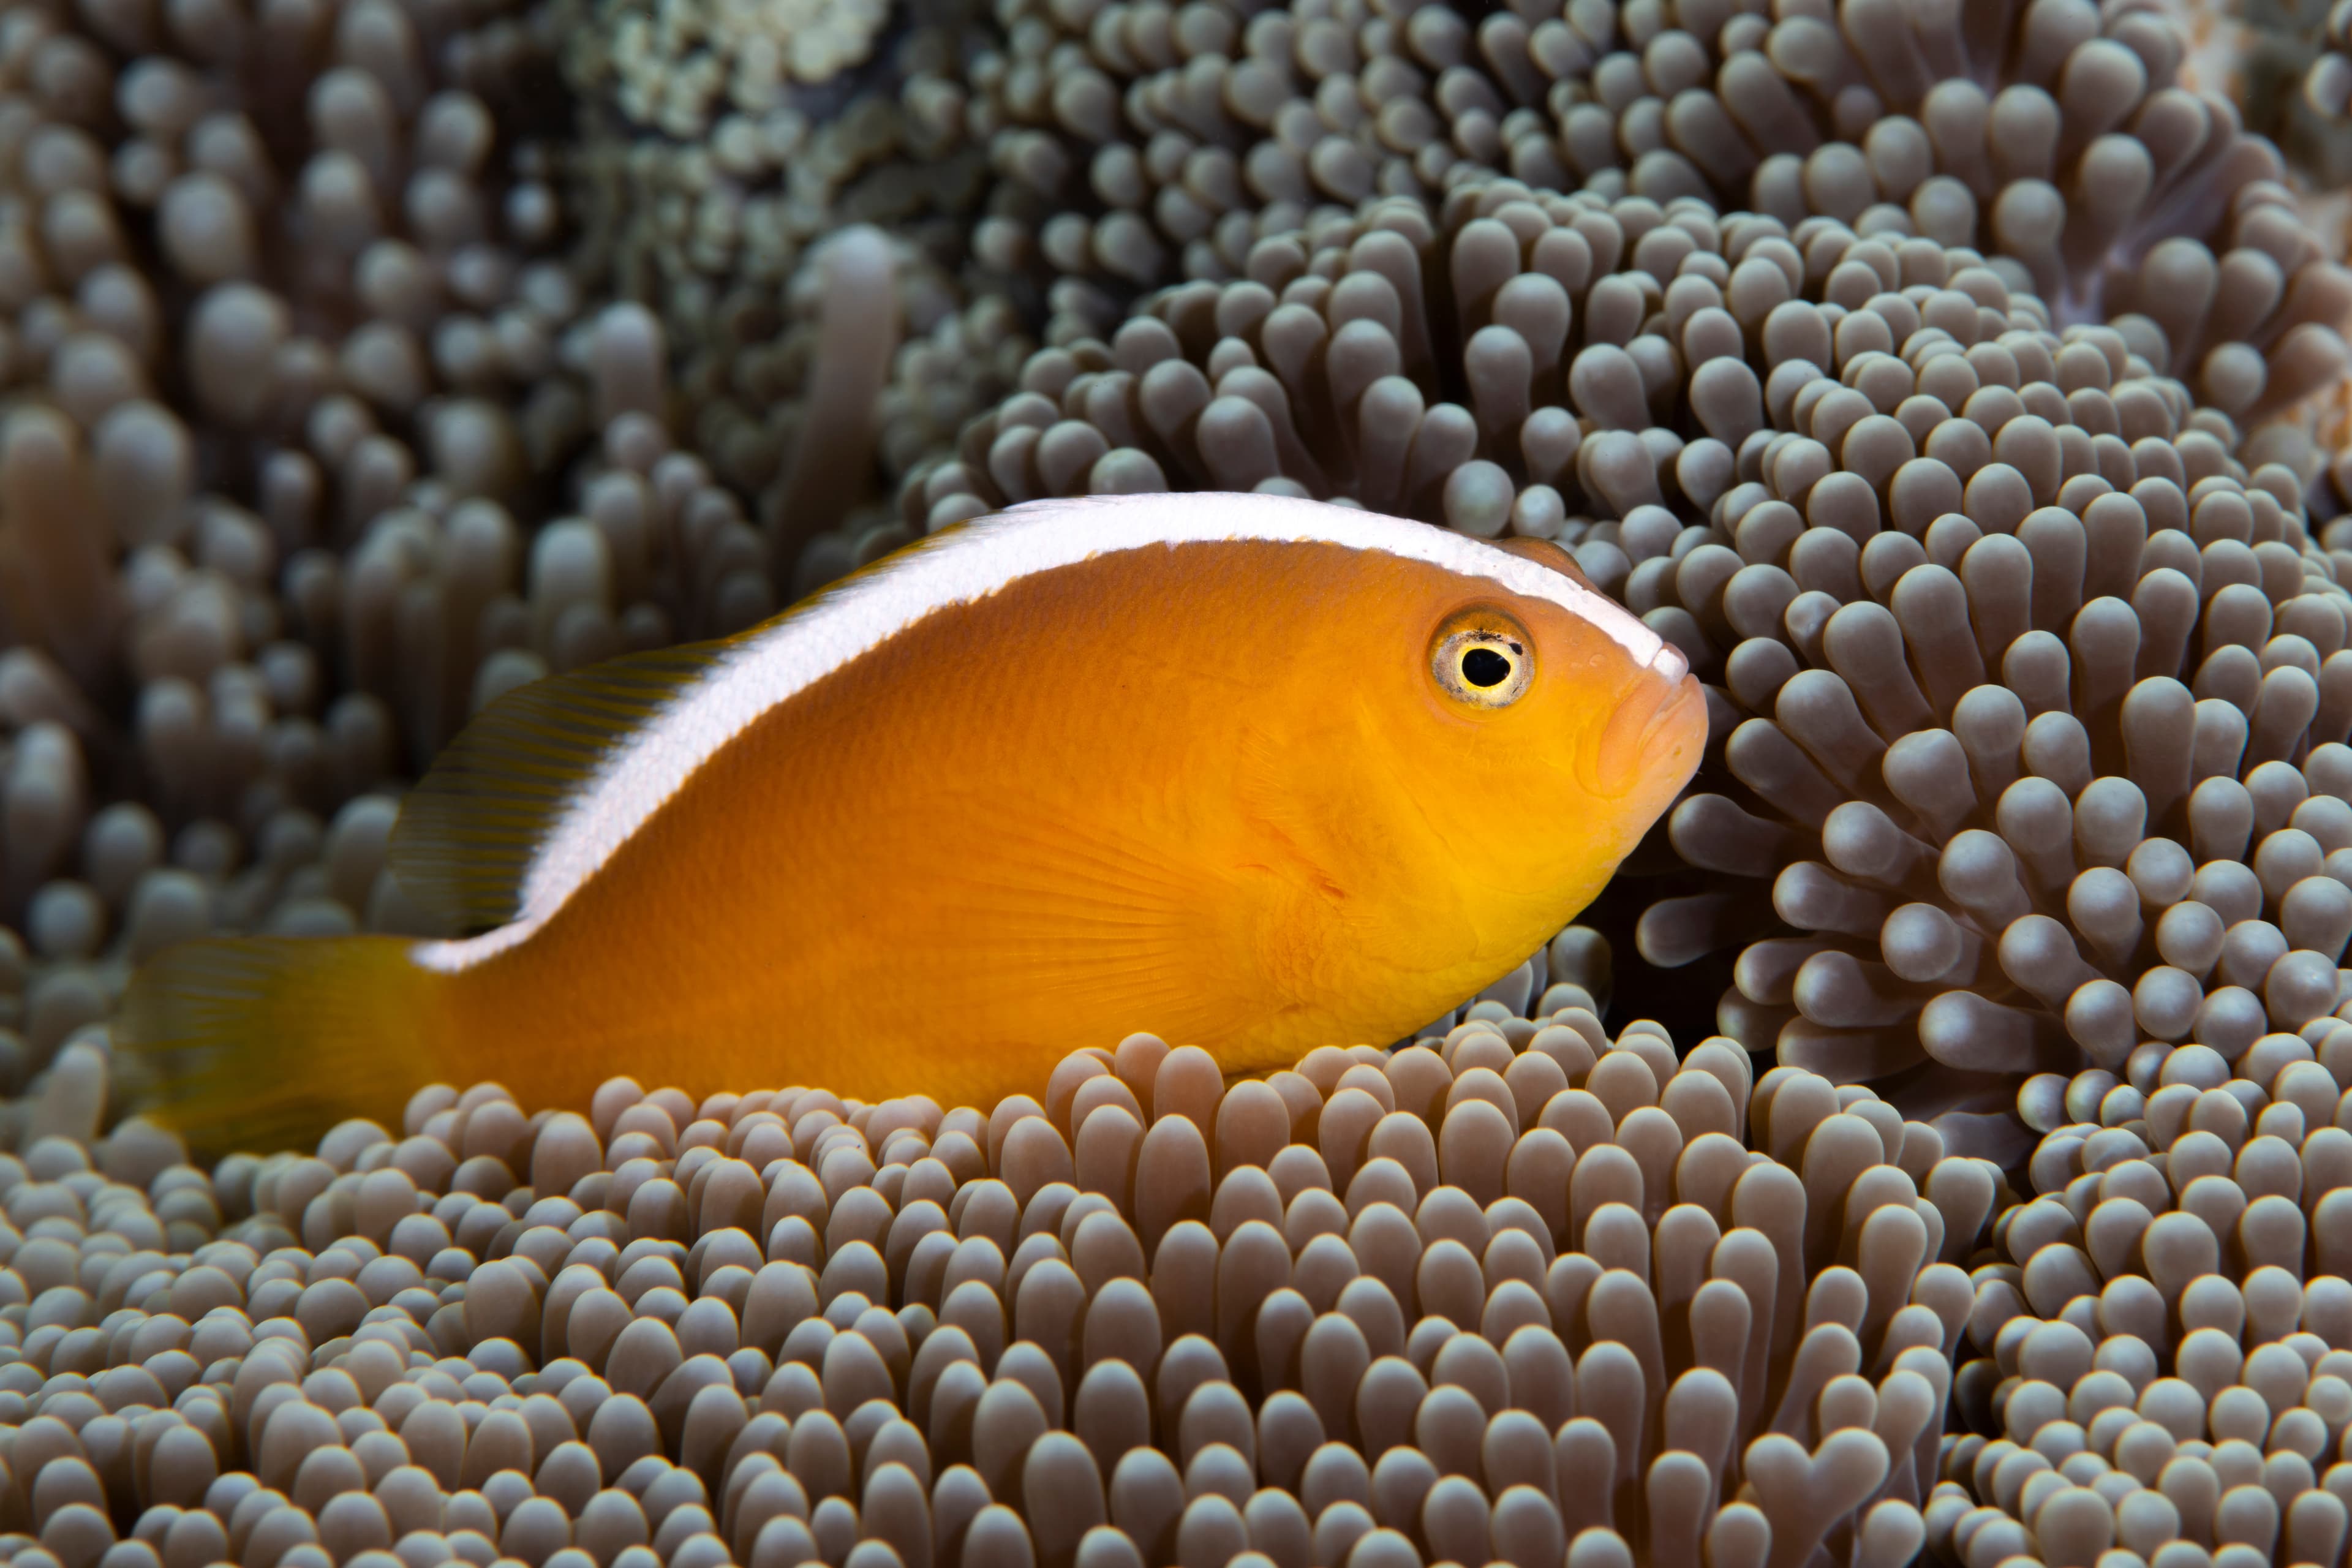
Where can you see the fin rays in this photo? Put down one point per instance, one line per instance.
(264, 1042)
(1119, 886)
(469, 835)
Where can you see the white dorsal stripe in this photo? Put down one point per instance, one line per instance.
(970, 564)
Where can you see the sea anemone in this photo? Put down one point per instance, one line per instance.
(1523, 361)
(1959, 582)
(1383, 1308)
(2029, 826)
(2163, 1341)
(279, 303)
(1940, 380)
(2049, 136)
(2328, 83)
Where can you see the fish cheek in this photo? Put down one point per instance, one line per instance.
(1346, 815)
(1503, 858)
(1532, 776)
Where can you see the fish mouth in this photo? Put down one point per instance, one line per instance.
(1650, 723)
(1675, 718)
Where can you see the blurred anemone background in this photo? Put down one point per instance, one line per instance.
(1928, 1141)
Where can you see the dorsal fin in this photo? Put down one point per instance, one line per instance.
(469, 832)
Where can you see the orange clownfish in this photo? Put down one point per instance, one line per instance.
(1250, 772)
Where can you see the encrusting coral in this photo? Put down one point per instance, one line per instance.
(1383, 1309)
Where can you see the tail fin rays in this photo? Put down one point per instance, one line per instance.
(264, 1043)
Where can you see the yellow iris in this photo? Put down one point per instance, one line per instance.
(1483, 657)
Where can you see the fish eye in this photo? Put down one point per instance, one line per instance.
(1483, 657)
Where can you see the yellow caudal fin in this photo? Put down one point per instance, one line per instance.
(267, 1042)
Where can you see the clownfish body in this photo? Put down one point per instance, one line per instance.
(1252, 773)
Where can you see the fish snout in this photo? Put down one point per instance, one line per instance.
(1659, 726)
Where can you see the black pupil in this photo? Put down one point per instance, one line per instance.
(1483, 667)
